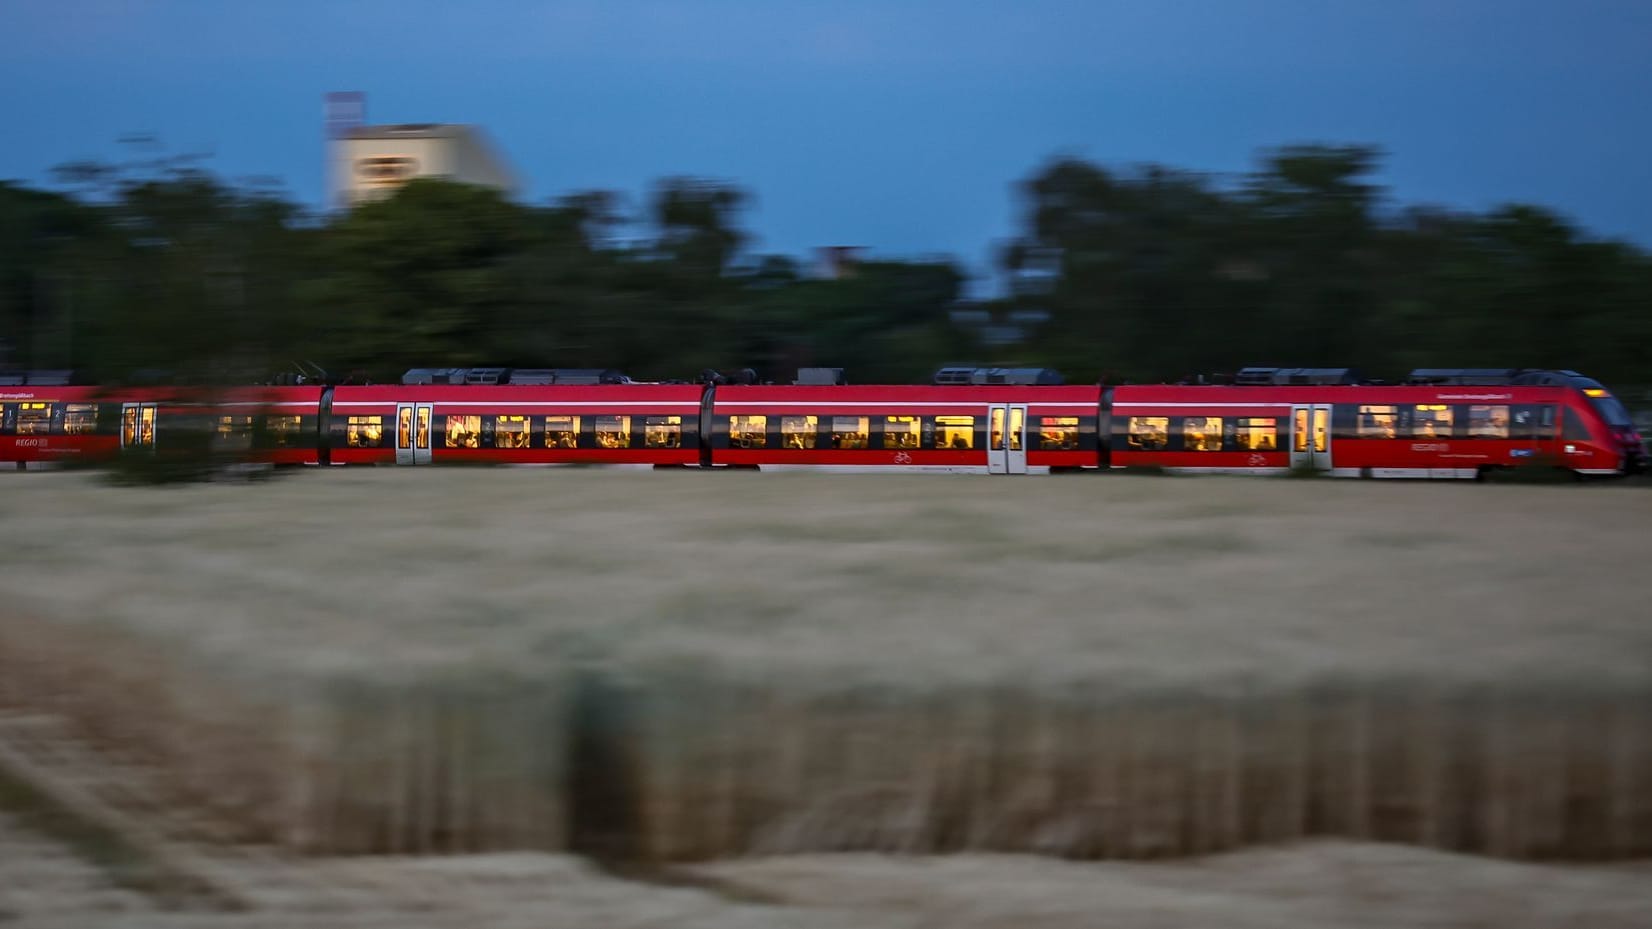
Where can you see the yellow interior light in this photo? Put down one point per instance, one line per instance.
(1595, 392)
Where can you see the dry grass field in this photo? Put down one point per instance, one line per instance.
(683, 666)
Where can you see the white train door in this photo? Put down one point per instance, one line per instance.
(137, 425)
(1311, 437)
(1007, 438)
(412, 433)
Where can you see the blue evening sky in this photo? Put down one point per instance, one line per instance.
(902, 126)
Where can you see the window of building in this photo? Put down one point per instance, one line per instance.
(1148, 433)
(955, 432)
(663, 431)
(1488, 422)
(511, 432)
(1058, 433)
(1256, 433)
(34, 418)
(799, 431)
(901, 431)
(1202, 433)
(364, 431)
(464, 431)
(283, 429)
(562, 432)
(749, 431)
(1377, 422)
(850, 432)
(613, 431)
(1431, 421)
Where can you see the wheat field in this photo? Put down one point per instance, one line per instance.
(683, 666)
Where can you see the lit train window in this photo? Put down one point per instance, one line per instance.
(1202, 433)
(1431, 421)
(562, 432)
(80, 418)
(957, 432)
(613, 431)
(404, 427)
(1488, 422)
(1058, 433)
(1256, 433)
(364, 431)
(234, 431)
(1148, 433)
(34, 418)
(510, 432)
(901, 431)
(850, 432)
(283, 430)
(1377, 422)
(798, 431)
(748, 431)
(464, 431)
(662, 431)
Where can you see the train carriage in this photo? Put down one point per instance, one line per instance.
(986, 429)
(1387, 431)
(45, 424)
(635, 424)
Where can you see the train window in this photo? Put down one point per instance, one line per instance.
(1377, 422)
(1058, 433)
(34, 418)
(464, 431)
(283, 430)
(511, 432)
(1202, 433)
(364, 431)
(1256, 433)
(1488, 422)
(955, 432)
(798, 431)
(613, 431)
(749, 431)
(80, 418)
(1532, 422)
(663, 431)
(1431, 421)
(234, 431)
(404, 427)
(901, 431)
(1148, 433)
(1573, 428)
(850, 432)
(562, 432)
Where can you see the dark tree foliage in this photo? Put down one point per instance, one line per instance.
(1145, 273)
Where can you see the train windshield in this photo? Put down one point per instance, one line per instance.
(1608, 406)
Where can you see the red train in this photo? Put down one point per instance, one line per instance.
(1444, 424)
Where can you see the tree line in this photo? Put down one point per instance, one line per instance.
(1148, 273)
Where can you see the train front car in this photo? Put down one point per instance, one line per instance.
(1457, 423)
(614, 424)
(1611, 429)
(966, 429)
(55, 424)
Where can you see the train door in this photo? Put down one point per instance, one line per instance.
(1311, 437)
(137, 425)
(1007, 438)
(413, 433)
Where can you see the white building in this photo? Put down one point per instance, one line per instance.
(369, 162)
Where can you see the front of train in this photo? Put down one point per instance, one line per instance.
(1619, 426)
